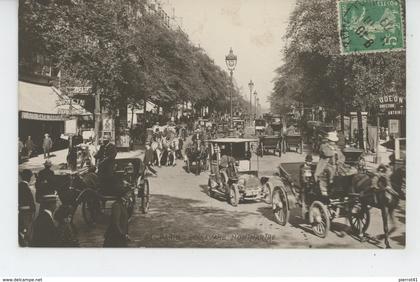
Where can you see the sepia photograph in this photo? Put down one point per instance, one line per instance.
(263, 124)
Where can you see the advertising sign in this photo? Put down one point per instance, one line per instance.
(107, 125)
(394, 127)
(392, 105)
(123, 141)
(70, 126)
(72, 91)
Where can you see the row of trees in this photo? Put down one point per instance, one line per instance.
(314, 72)
(121, 49)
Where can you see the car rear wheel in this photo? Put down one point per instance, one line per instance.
(280, 206)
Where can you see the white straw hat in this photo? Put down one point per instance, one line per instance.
(332, 136)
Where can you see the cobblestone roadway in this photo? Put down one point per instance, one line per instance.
(183, 215)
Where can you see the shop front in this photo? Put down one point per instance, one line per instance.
(392, 108)
(43, 109)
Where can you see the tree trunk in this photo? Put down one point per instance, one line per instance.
(360, 130)
(132, 116)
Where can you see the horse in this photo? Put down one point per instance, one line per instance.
(386, 198)
(179, 146)
(157, 147)
(170, 146)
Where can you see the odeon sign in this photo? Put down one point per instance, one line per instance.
(391, 99)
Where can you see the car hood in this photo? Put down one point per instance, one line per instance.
(248, 181)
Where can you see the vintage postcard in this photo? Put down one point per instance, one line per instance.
(212, 124)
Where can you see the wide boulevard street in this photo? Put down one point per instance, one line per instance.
(183, 215)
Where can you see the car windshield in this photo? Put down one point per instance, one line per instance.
(236, 150)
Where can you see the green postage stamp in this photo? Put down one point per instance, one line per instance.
(370, 26)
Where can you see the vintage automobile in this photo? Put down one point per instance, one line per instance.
(294, 141)
(276, 118)
(231, 174)
(260, 125)
(277, 127)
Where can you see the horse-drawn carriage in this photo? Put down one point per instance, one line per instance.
(260, 125)
(129, 176)
(232, 176)
(196, 157)
(294, 141)
(269, 142)
(295, 186)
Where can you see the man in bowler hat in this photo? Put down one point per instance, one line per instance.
(45, 233)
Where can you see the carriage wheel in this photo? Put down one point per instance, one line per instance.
(319, 217)
(233, 195)
(145, 197)
(359, 219)
(280, 206)
(91, 210)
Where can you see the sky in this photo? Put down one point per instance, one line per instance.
(253, 28)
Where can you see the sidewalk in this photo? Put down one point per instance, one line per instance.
(59, 157)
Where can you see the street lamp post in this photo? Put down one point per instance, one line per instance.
(251, 87)
(258, 111)
(231, 61)
(255, 102)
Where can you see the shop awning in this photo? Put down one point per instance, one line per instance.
(40, 102)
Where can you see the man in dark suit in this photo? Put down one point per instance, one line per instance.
(45, 233)
(44, 182)
(105, 157)
(149, 158)
(26, 207)
(105, 160)
(26, 198)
